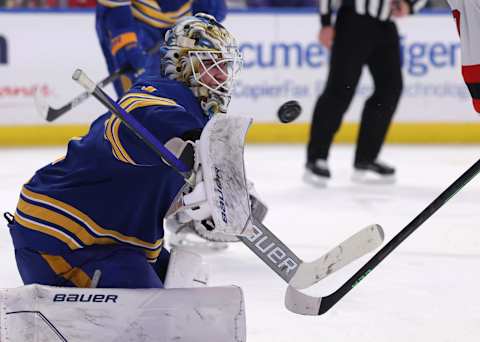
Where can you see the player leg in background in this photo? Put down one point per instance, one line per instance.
(385, 67)
(126, 81)
(116, 266)
(148, 38)
(350, 50)
(104, 40)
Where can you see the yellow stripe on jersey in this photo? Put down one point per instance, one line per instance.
(119, 157)
(111, 134)
(150, 89)
(167, 102)
(114, 3)
(153, 14)
(62, 268)
(126, 83)
(147, 12)
(115, 124)
(153, 255)
(70, 242)
(130, 102)
(63, 221)
(89, 223)
(144, 103)
(153, 10)
(136, 100)
(116, 138)
(152, 22)
(68, 224)
(153, 4)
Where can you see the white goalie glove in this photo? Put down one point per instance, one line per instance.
(193, 212)
(220, 204)
(197, 214)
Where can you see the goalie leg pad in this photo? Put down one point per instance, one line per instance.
(185, 269)
(43, 313)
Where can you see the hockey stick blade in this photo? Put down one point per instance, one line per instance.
(40, 104)
(51, 114)
(293, 270)
(303, 304)
(359, 244)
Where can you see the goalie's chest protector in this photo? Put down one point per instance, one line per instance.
(94, 195)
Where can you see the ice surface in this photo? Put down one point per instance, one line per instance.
(426, 290)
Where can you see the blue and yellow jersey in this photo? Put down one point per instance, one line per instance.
(120, 23)
(155, 13)
(110, 188)
(160, 14)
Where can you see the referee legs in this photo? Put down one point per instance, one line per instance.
(350, 50)
(385, 67)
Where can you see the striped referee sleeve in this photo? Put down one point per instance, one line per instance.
(416, 5)
(326, 8)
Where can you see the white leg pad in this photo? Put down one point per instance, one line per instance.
(185, 269)
(45, 314)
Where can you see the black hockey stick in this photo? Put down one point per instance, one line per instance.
(51, 114)
(273, 252)
(303, 304)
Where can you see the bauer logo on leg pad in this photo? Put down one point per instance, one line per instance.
(85, 298)
(272, 251)
(213, 314)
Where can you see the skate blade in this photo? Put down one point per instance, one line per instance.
(313, 179)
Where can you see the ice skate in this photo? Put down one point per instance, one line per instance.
(373, 173)
(317, 173)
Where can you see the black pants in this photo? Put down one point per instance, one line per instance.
(360, 40)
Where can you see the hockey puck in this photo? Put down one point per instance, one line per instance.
(289, 111)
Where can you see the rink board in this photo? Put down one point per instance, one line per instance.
(280, 64)
(399, 133)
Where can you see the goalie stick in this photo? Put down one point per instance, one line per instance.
(263, 243)
(51, 114)
(300, 303)
(300, 274)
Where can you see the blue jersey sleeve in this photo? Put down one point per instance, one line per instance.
(164, 118)
(118, 18)
(217, 8)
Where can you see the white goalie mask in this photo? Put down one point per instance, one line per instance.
(203, 55)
